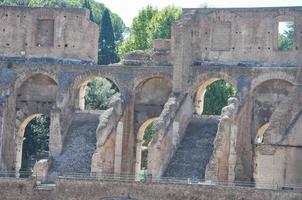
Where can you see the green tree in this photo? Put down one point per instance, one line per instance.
(150, 24)
(86, 4)
(216, 97)
(107, 50)
(148, 134)
(100, 93)
(160, 25)
(55, 3)
(286, 39)
(36, 139)
(14, 2)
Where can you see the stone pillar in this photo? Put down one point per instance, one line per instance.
(182, 38)
(138, 159)
(55, 135)
(82, 92)
(232, 156)
(1, 132)
(118, 149)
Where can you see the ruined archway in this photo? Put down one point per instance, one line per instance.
(96, 93)
(150, 96)
(36, 95)
(142, 143)
(32, 142)
(211, 87)
(265, 98)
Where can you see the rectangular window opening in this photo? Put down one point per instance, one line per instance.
(285, 35)
(45, 33)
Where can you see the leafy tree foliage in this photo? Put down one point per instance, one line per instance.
(286, 39)
(100, 93)
(148, 134)
(216, 97)
(150, 24)
(14, 2)
(107, 51)
(160, 25)
(86, 4)
(36, 139)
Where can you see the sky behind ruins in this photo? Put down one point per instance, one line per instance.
(127, 9)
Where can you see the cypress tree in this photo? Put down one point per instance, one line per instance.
(107, 50)
(86, 4)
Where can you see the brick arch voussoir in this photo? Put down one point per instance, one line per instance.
(141, 80)
(271, 76)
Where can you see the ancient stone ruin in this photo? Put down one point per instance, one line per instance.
(46, 63)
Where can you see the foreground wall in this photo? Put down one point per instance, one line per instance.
(95, 190)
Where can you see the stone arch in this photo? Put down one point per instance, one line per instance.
(139, 81)
(35, 95)
(139, 143)
(200, 89)
(271, 76)
(265, 98)
(150, 95)
(266, 94)
(210, 78)
(27, 74)
(79, 85)
(19, 139)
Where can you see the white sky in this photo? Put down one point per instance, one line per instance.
(127, 9)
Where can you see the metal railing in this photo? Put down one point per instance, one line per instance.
(172, 180)
(20, 174)
(149, 179)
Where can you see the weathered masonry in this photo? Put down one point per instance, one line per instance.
(47, 61)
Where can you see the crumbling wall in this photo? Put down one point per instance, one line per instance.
(105, 158)
(222, 163)
(169, 128)
(48, 33)
(233, 35)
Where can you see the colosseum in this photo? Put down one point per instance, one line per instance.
(251, 151)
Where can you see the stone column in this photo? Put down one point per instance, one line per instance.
(182, 37)
(55, 135)
(118, 149)
(1, 132)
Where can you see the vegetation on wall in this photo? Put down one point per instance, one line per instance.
(216, 97)
(148, 134)
(100, 93)
(150, 24)
(36, 140)
(286, 38)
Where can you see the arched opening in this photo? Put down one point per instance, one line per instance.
(97, 93)
(144, 137)
(265, 98)
(32, 142)
(212, 96)
(150, 98)
(35, 98)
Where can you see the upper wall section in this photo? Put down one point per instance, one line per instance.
(233, 35)
(48, 33)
